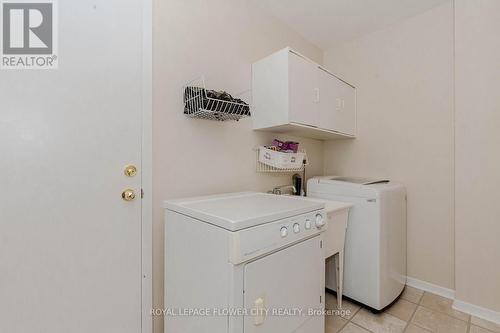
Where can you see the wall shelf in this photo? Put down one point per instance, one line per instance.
(208, 104)
(265, 168)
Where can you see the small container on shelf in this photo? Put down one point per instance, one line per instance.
(286, 147)
(214, 105)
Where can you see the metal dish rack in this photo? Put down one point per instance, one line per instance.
(197, 104)
(264, 168)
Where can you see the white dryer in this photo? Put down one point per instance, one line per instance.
(375, 247)
(244, 262)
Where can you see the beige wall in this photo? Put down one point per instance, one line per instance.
(478, 152)
(404, 76)
(220, 39)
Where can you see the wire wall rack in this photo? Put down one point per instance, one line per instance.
(213, 105)
(274, 168)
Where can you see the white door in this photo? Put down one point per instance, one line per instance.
(337, 104)
(303, 90)
(290, 279)
(70, 246)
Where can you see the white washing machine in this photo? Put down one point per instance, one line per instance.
(244, 262)
(375, 247)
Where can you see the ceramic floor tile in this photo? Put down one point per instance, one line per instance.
(402, 309)
(477, 329)
(415, 329)
(485, 324)
(331, 301)
(441, 304)
(438, 322)
(348, 310)
(412, 294)
(334, 324)
(379, 323)
(351, 328)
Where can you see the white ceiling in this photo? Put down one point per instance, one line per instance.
(327, 22)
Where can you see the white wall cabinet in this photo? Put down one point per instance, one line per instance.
(295, 95)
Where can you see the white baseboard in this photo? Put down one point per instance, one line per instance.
(477, 311)
(429, 287)
(468, 308)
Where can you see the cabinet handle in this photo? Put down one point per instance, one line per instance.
(316, 95)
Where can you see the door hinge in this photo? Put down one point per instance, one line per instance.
(142, 193)
(320, 299)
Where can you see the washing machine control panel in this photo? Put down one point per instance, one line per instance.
(253, 242)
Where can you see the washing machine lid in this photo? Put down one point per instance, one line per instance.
(353, 180)
(236, 211)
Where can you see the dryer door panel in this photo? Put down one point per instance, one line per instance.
(286, 280)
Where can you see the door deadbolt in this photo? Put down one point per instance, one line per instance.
(130, 171)
(128, 195)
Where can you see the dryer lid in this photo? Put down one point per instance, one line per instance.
(236, 211)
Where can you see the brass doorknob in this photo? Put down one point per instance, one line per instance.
(130, 171)
(128, 195)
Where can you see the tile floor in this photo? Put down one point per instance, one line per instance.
(415, 312)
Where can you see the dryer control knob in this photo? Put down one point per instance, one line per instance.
(320, 221)
(308, 224)
(284, 232)
(296, 228)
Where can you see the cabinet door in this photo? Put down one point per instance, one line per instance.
(303, 90)
(348, 124)
(337, 104)
(330, 101)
